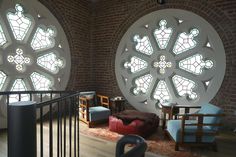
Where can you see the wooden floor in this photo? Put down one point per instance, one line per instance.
(89, 146)
(96, 147)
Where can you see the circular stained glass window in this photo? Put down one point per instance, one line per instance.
(170, 56)
(34, 51)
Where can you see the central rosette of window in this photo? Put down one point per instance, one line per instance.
(162, 64)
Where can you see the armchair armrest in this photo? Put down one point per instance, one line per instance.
(199, 124)
(84, 108)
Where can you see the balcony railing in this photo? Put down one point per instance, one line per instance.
(57, 124)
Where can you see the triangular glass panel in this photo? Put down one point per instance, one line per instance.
(184, 86)
(142, 84)
(163, 34)
(3, 77)
(207, 83)
(40, 82)
(143, 45)
(136, 64)
(43, 39)
(185, 41)
(161, 92)
(50, 62)
(3, 39)
(19, 85)
(19, 23)
(180, 21)
(195, 64)
(208, 44)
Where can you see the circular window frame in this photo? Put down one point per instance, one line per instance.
(41, 17)
(146, 26)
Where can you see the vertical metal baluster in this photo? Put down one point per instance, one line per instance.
(61, 128)
(58, 129)
(75, 139)
(41, 127)
(51, 95)
(77, 118)
(19, 96)
(30, 96)
(64, 114)
(78, 136)
(41, 97)
(50, 132)
(70, 103)
(41, 131)
(8, 97)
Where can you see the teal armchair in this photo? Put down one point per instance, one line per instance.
(93, 108)
(200, 130)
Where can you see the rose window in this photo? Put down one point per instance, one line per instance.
(34, 52)
(167, 57)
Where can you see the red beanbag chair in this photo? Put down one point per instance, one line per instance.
(137, 124)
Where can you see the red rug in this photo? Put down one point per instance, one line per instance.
(157, 142)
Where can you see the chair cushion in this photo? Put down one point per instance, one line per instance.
(98, 113)
(91, 95)
(174, 129)
(211, 109)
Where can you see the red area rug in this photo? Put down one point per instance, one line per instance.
(157, 142)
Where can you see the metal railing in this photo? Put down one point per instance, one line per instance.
(57, 122)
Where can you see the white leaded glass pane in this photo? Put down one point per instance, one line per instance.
(50, 62)
(19, 59)
(207, 83)
(195, 64)
(180, 21)
(208, 44)
(163, 34)
(43, 39)
(136, 64)
(185, 41)
(184, 86)
(19, 85)
(19, 23)
(3, 77)
(3, 39)
(142, 84)
(161, 92)
(40, 82)
(143, 45)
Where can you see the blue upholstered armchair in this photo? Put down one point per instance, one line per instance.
(200, 130)
(93, 108)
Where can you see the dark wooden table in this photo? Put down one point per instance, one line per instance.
(118, 103)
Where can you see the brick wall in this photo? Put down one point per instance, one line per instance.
(94, 30)
(111, 19)
(74, 16)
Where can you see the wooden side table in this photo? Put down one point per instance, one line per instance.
(118, 103)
